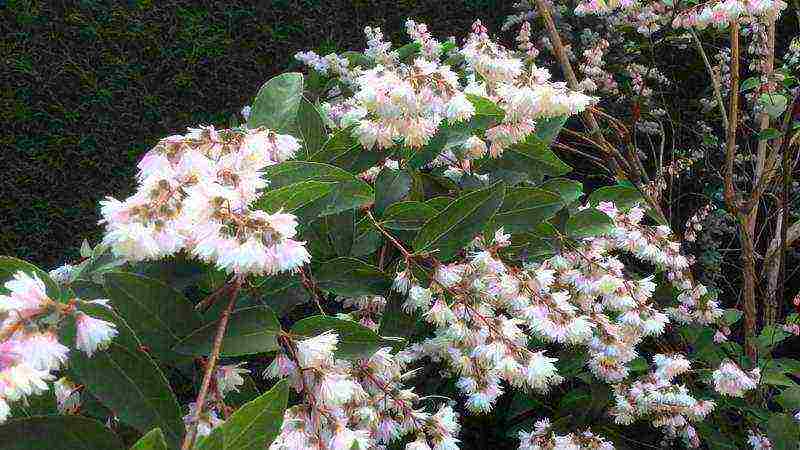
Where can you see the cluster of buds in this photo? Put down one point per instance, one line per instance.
(226, 379)
(195, 193)
(596, 76)
(354, 404)
(543, 438)
(730, 380)
(30, 350)
(695, 223)
(656, 397)
(720, 13)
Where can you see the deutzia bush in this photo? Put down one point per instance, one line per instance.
(387, 250)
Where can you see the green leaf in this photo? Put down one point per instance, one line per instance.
(342, 150)
(587, 223)
(731, 316)
(309, 127)
(160, 315)
(153, 440)
(524, 208)
(624, 197)
(455, 226)
(9, 266)
(485, 107)
(391, 186)
(447, 137)
(408, 50)
(277, 103)
(347, 191)
(783, 431)
(789, 399)
(773, 104)
(407, 215)
(351, 277)
(250, 330)
(255, 425)
(568, 190)
(769, 133)
(750, 84)
(395, 321)
(303, 199)
(130, 383)
(57, 433)
(355, 340)
(282, 292)
(531, 158)
(547, 129)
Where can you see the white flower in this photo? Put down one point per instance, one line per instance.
(93, 334)
(229, 377)
(315, 351)
(42, 351)
(729, 379)
(68, 396)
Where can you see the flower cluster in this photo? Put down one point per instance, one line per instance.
(730, 380)
(367, 309)
(695, 223)
(542, 438)
(722, 12)
(354, 404)
(486, 313)
(30, 350)
(196, 192)
(657, 398)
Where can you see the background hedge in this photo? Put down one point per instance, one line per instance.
(89, 86)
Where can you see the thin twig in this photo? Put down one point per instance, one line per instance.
(188, 440)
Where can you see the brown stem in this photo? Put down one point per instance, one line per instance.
(191, 434)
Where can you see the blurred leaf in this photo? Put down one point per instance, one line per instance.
(351, 277)
(455, 226)
(355, 340)
(250, 330)
(773, 104)
(789, 399)
(57, 433)
(783, 432)
(277, 103)
(153, 440)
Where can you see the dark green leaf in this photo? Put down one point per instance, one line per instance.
(342, 150)
(587, 223)
(769, 133)
(485, 107)
(355, 340)
(57, 433)
(407, 215)
(568, 190)
(347, 192)
(623, 197)
(309, 127)
(153, 440)
(250, 330)
(783, 431)
(277, 103)
(789, 399)
(523, 208)
(454, 227)
(303, 199)
(255, 425)
(351, 277)
(160, 315)
(128, 382)
(391, 186)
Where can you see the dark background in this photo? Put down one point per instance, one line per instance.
(88, 86)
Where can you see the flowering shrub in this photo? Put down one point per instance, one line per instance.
(399, 215)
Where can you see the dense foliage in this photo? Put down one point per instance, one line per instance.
(380, 251)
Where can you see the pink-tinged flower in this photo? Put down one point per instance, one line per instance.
(229, 377)
(291, 255)
(730, 380)
(283, 224)
(93, 334)
(318, 350)
(27, 294)
(42, 351)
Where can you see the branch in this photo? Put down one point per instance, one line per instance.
(714, 79)
(188, 440)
